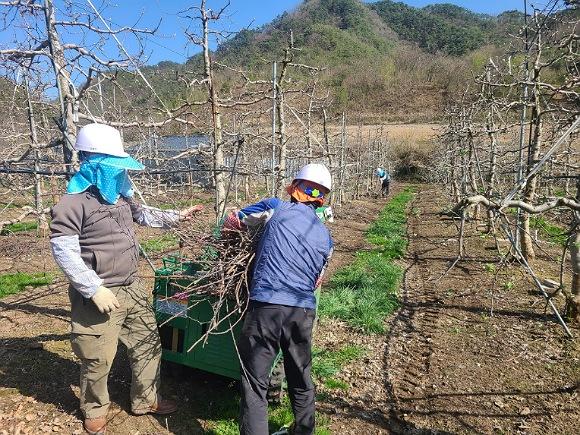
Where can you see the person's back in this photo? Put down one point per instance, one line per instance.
(293, 249)
(385, 180)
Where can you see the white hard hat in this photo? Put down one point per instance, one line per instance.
(100, 138)
(317, 173)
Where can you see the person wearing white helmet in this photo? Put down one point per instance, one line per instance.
(93, 241)
(291, 256)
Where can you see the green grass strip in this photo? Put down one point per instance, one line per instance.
(364, 293)
(19, 227)
(327, 363)
(388, 232)
(13, 283)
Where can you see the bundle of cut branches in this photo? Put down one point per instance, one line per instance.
(219, 275)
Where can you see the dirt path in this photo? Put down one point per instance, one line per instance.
(464, 359)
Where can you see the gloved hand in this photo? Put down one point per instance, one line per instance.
(105, 300)
(232, 222)
(188, 212)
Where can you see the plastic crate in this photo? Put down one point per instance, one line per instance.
(184, 320)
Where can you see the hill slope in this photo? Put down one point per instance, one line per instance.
(382, 59)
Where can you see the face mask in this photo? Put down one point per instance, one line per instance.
(112, 182)
(302, 191)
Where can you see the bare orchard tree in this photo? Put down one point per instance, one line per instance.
(218, 104)
(41, 37)
(64, 65)
(515, 149)
(295, 88)
(553, 46)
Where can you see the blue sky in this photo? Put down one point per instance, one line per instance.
(170, 43)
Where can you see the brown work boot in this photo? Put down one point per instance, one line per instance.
(96, 426)
(162, 407)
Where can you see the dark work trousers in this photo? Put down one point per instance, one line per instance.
(267, 329)
(385, 187)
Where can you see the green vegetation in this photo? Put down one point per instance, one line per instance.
(19, 227)
(326, 29)
(388, 231)
(364, 293)
(489, 267)
(554, 233)
(327, 363)
(508, 285)
(335, 384)
(447, 28)
(159, 244)
(281, 416)
(12, 283)
(551, 231)
(455, 330)
(223, 415)
(227, 411)
(8, 205)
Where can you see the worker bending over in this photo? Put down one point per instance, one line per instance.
(291, 255)
(385, 179)
(93, 241)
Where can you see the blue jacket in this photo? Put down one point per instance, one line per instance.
(291, 254)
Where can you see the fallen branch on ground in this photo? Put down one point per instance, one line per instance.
(26, 211)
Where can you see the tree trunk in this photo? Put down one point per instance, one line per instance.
(42, 223)
(527, 247)
(491, 176)
(309, 126)
(64, 85)
(282, 146)
(326, 140)
(288, 55)
(342, 162)
(218, 152)
(535, 144)
(574, 246)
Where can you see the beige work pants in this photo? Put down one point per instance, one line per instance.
(94, 341)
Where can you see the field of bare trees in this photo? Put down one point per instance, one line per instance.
(481, 232)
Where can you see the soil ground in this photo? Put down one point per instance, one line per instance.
(462, 355)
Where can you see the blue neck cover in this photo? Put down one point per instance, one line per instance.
(111, 181)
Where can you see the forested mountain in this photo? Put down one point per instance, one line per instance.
(443, 28)
(383, 59)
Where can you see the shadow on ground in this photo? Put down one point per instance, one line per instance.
(40, 367)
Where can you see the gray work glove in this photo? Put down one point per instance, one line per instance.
(105, 300)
